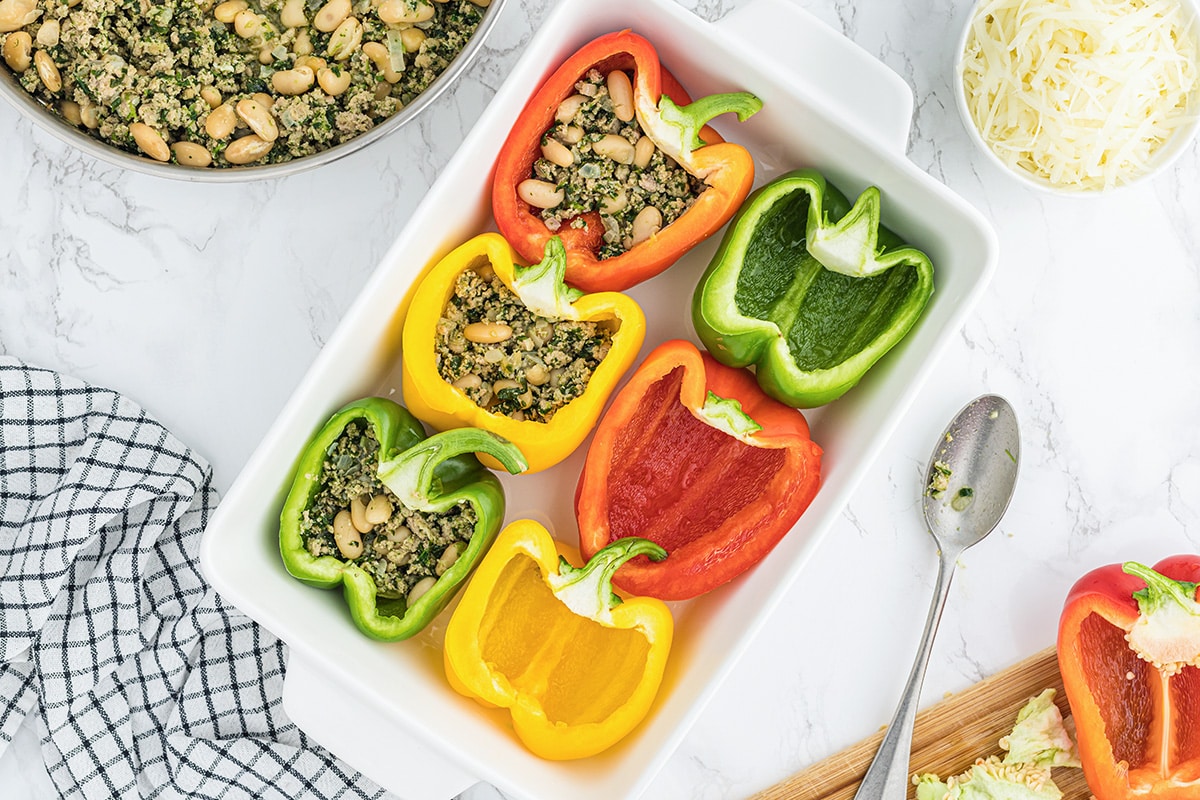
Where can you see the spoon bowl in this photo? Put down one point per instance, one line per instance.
(969, 481)
(979, 449)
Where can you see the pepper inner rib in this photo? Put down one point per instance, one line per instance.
(579, 670)
(676, 479)
(824, 316)
(1151, 721)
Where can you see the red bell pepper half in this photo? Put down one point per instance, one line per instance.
(1129, 653)
(672, 121)
(693, 456)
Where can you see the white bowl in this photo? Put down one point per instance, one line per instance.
(827, 104)
(1162, 160)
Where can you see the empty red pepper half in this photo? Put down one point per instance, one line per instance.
(693, 456)
(1129, 653)
(678, 128)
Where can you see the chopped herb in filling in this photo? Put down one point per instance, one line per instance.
(403, 549)
(598, 182)
(508, 359)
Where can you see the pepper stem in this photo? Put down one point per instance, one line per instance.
(1160, 589)
(587, 590)
(726, 415)
(851, 245)
(410, 475)
(676, 129)
(542, 287)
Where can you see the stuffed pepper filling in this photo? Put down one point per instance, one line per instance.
(508, 359)
(355, 518)
(596, 158)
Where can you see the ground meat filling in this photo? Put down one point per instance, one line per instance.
(618, 182)
(509, 360)
(146, 76)
(401, 551)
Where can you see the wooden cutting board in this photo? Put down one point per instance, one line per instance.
(948, 737)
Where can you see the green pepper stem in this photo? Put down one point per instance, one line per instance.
(542, 287)
(587, 590)
(410, 475)
(1160, 589)
(726, 415)
(676, 129)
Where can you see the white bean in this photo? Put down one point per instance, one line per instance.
(448, 557)
(258, 117)
(614, 147)
(348, 540)
(643, 151)
(571, 134)
(647, 223)
(247, 150)
(611, 205)
(468, 381)
(292, 14)
(487, 332)
(302, 45)
(47, 71)
(247, 24)
(16, 14)
(221, 121)
(379, 56)
(331, 15)
(568, 108)
(190, 154)
(620, 90)
(556, 152)
(150, 141)
(412, 38)
(379, 510)
(540, 194)
(18, 51)
(211, 95)
(358, 516)
(89, 115)
(419, 589)
(47, 35)
(294, 81)
(345, 39)
(395, 12)
(333, 83)
(71, 112)
(226, 12)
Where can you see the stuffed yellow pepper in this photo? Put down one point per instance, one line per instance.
(514, 350)
(576, 666)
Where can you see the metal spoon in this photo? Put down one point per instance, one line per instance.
(968, 484)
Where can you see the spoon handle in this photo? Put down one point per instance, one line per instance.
(888, 778)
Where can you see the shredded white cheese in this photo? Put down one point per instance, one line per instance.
(1081, 93)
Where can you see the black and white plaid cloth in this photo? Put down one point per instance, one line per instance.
(146, 685)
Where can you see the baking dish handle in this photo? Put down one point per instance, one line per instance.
(843, 74)
(383, 751)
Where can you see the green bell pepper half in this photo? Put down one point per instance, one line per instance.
(809, 290)
(425, 474)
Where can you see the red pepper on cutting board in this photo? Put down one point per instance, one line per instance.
(676, 125)
(1129, 653)
(693, 456)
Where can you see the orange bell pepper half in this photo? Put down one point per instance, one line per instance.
(693, 456)
(675, 124)
(1129, 653)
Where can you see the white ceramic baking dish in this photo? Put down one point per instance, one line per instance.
(386, 708)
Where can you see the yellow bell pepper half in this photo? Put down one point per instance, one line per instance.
(576, 666)
(436, 401)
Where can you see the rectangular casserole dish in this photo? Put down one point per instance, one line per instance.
(826, 105)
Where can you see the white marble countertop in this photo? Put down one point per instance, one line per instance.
(198, 302)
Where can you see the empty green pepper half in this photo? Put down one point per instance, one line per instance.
(398, 519)
(809, 290)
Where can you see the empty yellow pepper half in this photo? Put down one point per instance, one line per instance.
(542, 290)
(576, 666)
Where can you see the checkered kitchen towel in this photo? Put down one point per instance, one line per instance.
(146, 683)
